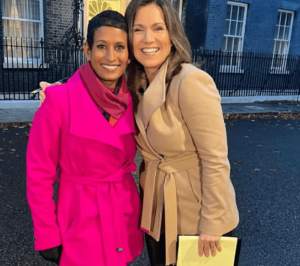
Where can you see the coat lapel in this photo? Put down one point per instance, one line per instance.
(154, 96)
(152, 99)
(86, 121)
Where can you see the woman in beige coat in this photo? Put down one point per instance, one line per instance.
(185, 177)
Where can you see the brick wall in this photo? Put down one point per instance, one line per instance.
(58, 18)
(260, 24)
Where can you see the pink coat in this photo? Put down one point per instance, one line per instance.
(98, 208)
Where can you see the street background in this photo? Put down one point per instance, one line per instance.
(264, 154)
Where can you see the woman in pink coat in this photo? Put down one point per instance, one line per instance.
(82, 136)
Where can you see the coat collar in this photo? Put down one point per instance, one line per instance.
(87, 121)
(154, 96)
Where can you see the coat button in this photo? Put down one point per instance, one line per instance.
(119, 249)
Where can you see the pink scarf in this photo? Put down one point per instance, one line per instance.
(115, 105)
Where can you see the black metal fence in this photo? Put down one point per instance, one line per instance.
(249, 73)
(24, 63)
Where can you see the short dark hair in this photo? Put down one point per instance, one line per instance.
(108, 18)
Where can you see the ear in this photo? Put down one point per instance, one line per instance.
(129, 61)
(87, 51)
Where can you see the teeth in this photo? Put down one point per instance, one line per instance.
(110, 67)
(152, 50)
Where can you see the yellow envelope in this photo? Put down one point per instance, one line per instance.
(188, 252)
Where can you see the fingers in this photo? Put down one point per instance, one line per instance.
(219, 248)
(208, 244)
(44, 85)
(212, 246)
(200, 247)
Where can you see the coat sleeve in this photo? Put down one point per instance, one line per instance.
(41, 164)
(200, 105)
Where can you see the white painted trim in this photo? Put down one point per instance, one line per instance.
(180, 9)
(252, 99)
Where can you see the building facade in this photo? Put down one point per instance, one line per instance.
(266, 26)
(39, 35)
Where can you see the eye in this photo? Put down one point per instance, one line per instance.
(158, 28)
(120, 48)
(137, 29)
(101, 47)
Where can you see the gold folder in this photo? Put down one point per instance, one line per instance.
(188, 252)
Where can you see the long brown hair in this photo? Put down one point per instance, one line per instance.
(180, 52)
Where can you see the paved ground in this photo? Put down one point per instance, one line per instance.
(264, 156)
(26, 115)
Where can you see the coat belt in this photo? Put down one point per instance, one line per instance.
(111, 214)
(160, 180)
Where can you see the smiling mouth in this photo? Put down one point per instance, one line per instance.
(150, 51)
(108, 67)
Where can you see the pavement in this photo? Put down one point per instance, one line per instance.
(264, 159)
(25, 115)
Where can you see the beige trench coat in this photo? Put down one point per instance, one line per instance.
(183, 141)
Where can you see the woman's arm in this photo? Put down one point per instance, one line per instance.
(42, 160)
(201, 110)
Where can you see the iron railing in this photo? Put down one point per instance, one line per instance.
(24, 63)
(249, 73)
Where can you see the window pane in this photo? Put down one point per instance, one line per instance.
(8, 8)
(239, 29)
(234, 12)
(276, 32)
(8, 28)
(284, 47)
(227, 23)
(34, 9)
(278, 18)
(237, 43)
(234, 60)
(276, 47)
(287, 32)
(283, 16)
(33, 30)
(7, 48)
(281, 32)
(228, 11)
(226, 58)
(232, 28)
(229, 44)
(241, 13)
(21, 9)
(288, 21)
(224, 46)
(20, 29)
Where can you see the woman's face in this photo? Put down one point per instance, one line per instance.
(109, 54)
(151, 39)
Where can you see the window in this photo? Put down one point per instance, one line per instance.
(22, 30)
(233, 40)
(282, 40)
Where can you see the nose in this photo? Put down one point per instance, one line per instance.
(148, 36)
(110, 54)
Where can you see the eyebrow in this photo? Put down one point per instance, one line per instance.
(106, 42)
(155, 24)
